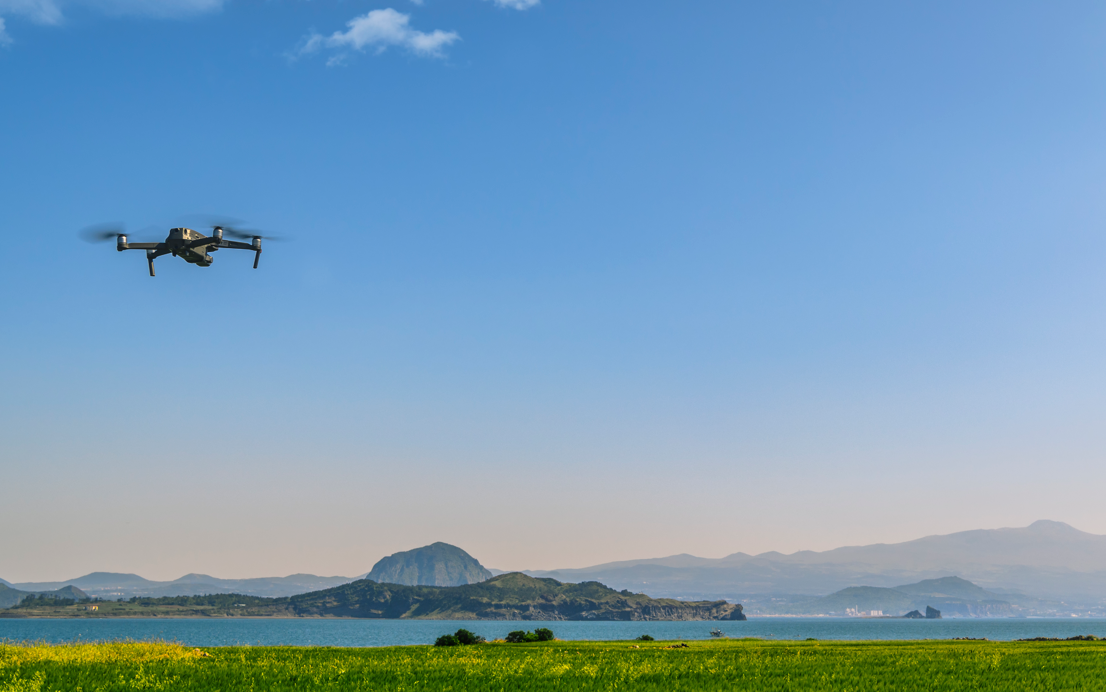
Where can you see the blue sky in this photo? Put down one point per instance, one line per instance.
(564, 282)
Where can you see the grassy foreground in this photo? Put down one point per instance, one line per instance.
(707, 665)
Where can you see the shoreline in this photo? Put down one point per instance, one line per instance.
(185, 616)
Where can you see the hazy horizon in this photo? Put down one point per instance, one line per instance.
(564, 283)
(494, 567)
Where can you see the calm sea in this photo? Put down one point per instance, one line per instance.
(311, 632)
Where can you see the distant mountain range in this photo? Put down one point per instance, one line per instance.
(1047, 559)
(112, 586)
(1063, 567)
(953, 596)
(439, 564)
(10, 597)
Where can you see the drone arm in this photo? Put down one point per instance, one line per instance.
(153, 251)
(255, 246)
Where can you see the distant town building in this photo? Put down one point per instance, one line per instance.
(856, 612)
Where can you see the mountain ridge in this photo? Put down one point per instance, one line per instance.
(114, 585)
(11, 597)
(1047, 558)
(953, 596)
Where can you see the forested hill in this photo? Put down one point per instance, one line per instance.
(511, 596)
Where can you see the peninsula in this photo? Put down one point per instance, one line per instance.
(513, 596)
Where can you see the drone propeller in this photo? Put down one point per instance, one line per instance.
(230, 226)
(246, 234)
(102, 232)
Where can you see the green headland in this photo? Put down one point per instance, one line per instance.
(513, 596)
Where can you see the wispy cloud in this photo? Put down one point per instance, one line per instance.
(157, 8)
(50, 11)
(38, 11)
(379, 30)
(517, 4)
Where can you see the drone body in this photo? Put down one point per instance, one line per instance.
(191, 246)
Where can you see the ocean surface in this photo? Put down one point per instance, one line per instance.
(318, 632)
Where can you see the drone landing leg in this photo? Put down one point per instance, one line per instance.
(256, 259)
(150, 260)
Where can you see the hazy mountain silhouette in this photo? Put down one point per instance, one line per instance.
(953, 596)
(10, 597)
(112, 585)
(1046, 559)
(439, 564)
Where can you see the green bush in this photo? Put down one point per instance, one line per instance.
(466, 638)
(461, 637)
(542, 634)
(645, 638)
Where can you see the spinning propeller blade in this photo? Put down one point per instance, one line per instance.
(102, 232)
(232, 227)
(245, 234)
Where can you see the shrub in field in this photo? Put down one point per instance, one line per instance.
(461, 637)
(466, 638)
(645, 638)
(542, 634)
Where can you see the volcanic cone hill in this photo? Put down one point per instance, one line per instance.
(438, 564)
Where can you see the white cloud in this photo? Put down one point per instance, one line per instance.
(517, 4)
(5, 40)
(380, 29)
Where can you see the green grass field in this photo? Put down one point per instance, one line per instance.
(708, 665)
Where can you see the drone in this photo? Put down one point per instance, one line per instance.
(191, 246)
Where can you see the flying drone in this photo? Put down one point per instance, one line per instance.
(191, 246)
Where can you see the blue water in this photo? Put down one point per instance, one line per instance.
(311, 632)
